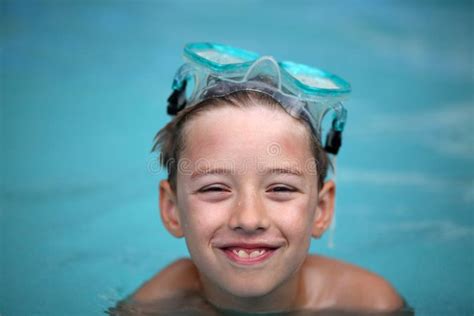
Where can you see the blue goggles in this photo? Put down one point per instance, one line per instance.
(214, 70)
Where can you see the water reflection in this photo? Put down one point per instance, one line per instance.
(192, 304)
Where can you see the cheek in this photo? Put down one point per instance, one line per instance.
(201, 219)
(296, 219)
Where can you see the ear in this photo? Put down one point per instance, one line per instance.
(169, 209)
(325, 209)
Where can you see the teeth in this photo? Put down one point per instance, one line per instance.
(241, 253)
(256, 253)
(245, 255)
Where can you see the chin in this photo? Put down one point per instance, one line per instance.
(249, 289)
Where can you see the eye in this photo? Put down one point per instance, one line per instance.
(213, 188)
(214, 193)
(282, 189)
(282, 193)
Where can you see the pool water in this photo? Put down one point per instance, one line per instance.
(192, 304)
(83, 92)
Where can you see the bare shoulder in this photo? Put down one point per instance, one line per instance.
(346, 286)
(179, 276)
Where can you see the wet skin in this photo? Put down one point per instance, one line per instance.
(248, 204)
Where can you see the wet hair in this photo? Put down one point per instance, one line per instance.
(170, 141)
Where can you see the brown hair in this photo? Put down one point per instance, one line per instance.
(170, 140)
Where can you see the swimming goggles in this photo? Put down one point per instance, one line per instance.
(213, 70)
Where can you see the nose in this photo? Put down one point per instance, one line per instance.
(249, 214)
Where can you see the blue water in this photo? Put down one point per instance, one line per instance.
(83, 92)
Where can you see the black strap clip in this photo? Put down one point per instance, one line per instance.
(333, 139)
(177, 100)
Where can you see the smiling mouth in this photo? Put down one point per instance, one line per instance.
(248, 256)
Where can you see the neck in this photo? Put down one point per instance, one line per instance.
(287, 296)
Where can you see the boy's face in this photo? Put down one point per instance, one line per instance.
(246, 198)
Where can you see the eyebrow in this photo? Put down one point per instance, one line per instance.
(203, 172)
(225, 171)
(284, 170)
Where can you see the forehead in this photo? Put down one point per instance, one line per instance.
(256, 132)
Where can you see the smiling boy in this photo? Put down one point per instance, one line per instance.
(247, 191)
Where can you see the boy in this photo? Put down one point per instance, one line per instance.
(246, 188)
